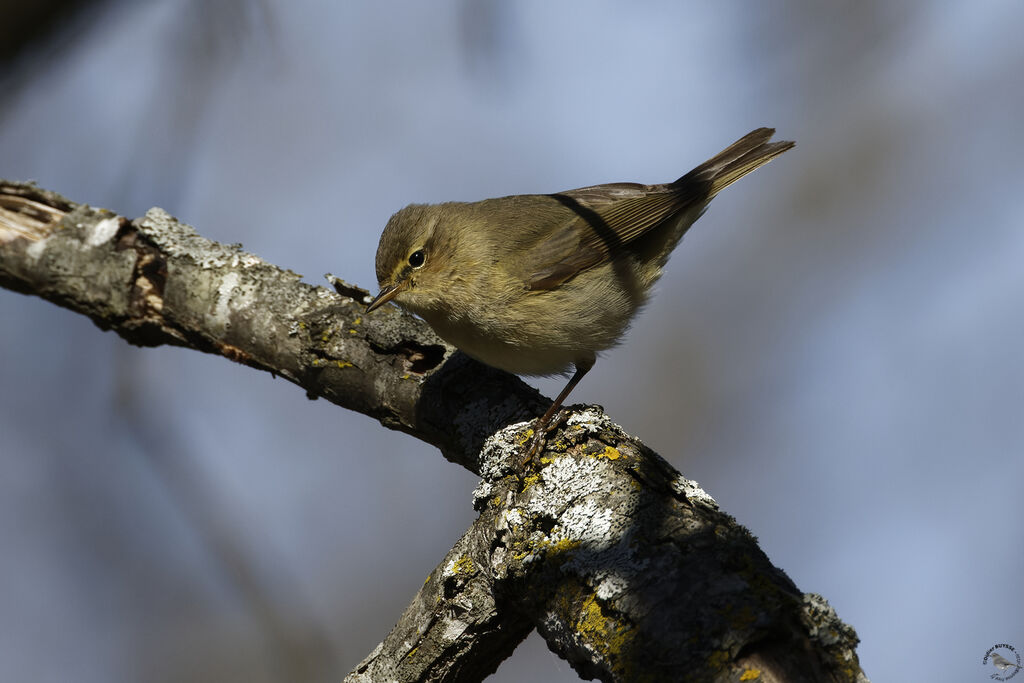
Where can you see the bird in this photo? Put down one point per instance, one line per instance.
(537, 284)
(1002, 663)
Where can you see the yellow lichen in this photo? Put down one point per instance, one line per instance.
(751, 675)
(563, 545)
(464, 565)
(609, 637)
(719, 659)
(343, 364)
(743, 618)
(610, 453)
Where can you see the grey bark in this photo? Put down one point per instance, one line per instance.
(627, 569)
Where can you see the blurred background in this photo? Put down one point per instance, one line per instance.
(836, 351)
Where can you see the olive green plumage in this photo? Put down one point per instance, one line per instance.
(534, 284)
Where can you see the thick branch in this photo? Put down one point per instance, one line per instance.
(628, 570)
(155, 281)
(454, 629)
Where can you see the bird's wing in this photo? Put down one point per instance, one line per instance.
(610, 217)
(606, 219)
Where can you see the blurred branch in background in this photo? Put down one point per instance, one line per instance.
(297, 647)
(28, 30)
(201, 46)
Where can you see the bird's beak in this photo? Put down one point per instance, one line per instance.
(386, 294)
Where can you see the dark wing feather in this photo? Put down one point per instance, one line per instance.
(610, 217)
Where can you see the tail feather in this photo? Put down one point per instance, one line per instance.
(747, 154)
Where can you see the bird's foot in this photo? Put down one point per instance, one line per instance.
(539, 440)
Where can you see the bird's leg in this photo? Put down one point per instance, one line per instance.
(540, 430)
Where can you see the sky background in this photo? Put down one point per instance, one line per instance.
(835, 352)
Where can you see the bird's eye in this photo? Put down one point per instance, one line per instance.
(417, 258)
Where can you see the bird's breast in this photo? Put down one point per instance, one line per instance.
(540, 332)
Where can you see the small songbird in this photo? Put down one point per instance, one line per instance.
(534, 284)
(1002, 663)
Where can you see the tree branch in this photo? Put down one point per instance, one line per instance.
(628, 570)
(155, 281)
(454, 629)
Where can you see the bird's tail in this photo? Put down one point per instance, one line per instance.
(750, 152)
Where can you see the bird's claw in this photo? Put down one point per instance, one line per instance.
(539, 439)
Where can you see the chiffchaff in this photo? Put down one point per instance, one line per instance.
(533, 284)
